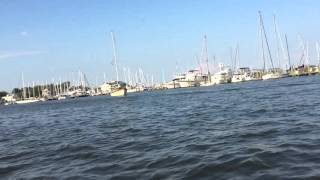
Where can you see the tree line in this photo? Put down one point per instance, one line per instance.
(39, 90)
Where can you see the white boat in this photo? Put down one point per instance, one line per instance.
(9, 99)
(132, 90)
(218, 78)
(117, 88)
(223, 76)
(242, 74)
(237, 77)
(62, 97)
(192, 78)
(27, 101)
(170, 85)
(272, 75)
(119, 92)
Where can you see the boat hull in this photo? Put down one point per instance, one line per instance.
(119, 92)
(271, 76)
(27, 101)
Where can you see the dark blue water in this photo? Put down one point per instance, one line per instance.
(253, 130)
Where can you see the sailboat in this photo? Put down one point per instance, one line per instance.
(117, 88)
(272, 73)
(239, 74)
(24, 99)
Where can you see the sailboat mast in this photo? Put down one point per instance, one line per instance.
(28, 89)
(114, 54)
(237, 57)
(288, 54)
(266, 39)
(280, 42)
(33, 90)
(162, 76)
(307, 54)
(277, 41)
(233, 64)
(23, 87)
(318, 52)
(262, 48)
(206, 53)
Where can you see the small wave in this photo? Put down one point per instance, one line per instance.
(259, 134)
(10, 169)
(74, 148)
(102, 169)
(14, 156)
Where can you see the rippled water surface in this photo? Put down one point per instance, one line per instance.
(252, 130)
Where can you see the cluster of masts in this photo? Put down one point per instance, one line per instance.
(205, 74)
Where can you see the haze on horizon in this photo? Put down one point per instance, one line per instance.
(52, 39)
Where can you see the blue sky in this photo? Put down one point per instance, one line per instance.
(53, 39)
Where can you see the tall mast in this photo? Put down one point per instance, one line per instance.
(33, 90)
(162, 76)
(232, 62)
(288, 54)
(206, 58)
(104, 77)
(318, 52)
(83, 80)
(262, 48)
(237, 57)
(23, 87)
(279, 41)
(124, 74)
(303, 46)
(307, 54)
(266, 39)
(28, 90)
(114, 54)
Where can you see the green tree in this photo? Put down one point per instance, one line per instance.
(17, 92)
(2, 94)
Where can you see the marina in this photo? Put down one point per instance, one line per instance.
(204, 74)
(176, 90)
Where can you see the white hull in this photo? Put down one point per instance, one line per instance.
(220, 78)
(185, 84)
(207, 84)
(119, 92)
(271, 76)
(132, 90)
(62, 97)
(236, 80)
(27, 101)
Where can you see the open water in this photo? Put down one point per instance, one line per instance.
(251, 130)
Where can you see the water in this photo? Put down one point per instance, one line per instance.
(253, 130)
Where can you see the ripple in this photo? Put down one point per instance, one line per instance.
(254, 130)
